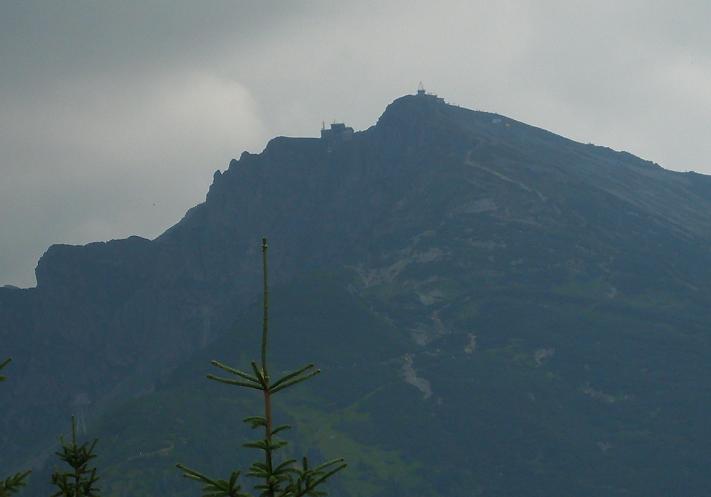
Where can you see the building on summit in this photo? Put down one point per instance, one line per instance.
(337, 131)
(432, 96)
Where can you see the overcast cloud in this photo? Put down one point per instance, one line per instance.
(113, 116)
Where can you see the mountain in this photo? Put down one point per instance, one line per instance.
(498, 310)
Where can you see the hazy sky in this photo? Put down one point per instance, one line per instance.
(114, 115)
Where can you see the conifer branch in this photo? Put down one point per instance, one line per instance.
(2, 365)
(216, 488)
(255, 421)
(13, 483)
(280, 428)
(296, 380)
(237, 372)
(291, 375)
(261, 375)
(234, 382)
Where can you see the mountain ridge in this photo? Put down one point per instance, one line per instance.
(399, 111)
(571, 270)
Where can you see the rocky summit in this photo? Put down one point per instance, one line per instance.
(498, 311)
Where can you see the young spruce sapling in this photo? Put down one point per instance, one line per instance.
(80, 480)
(275, 479)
